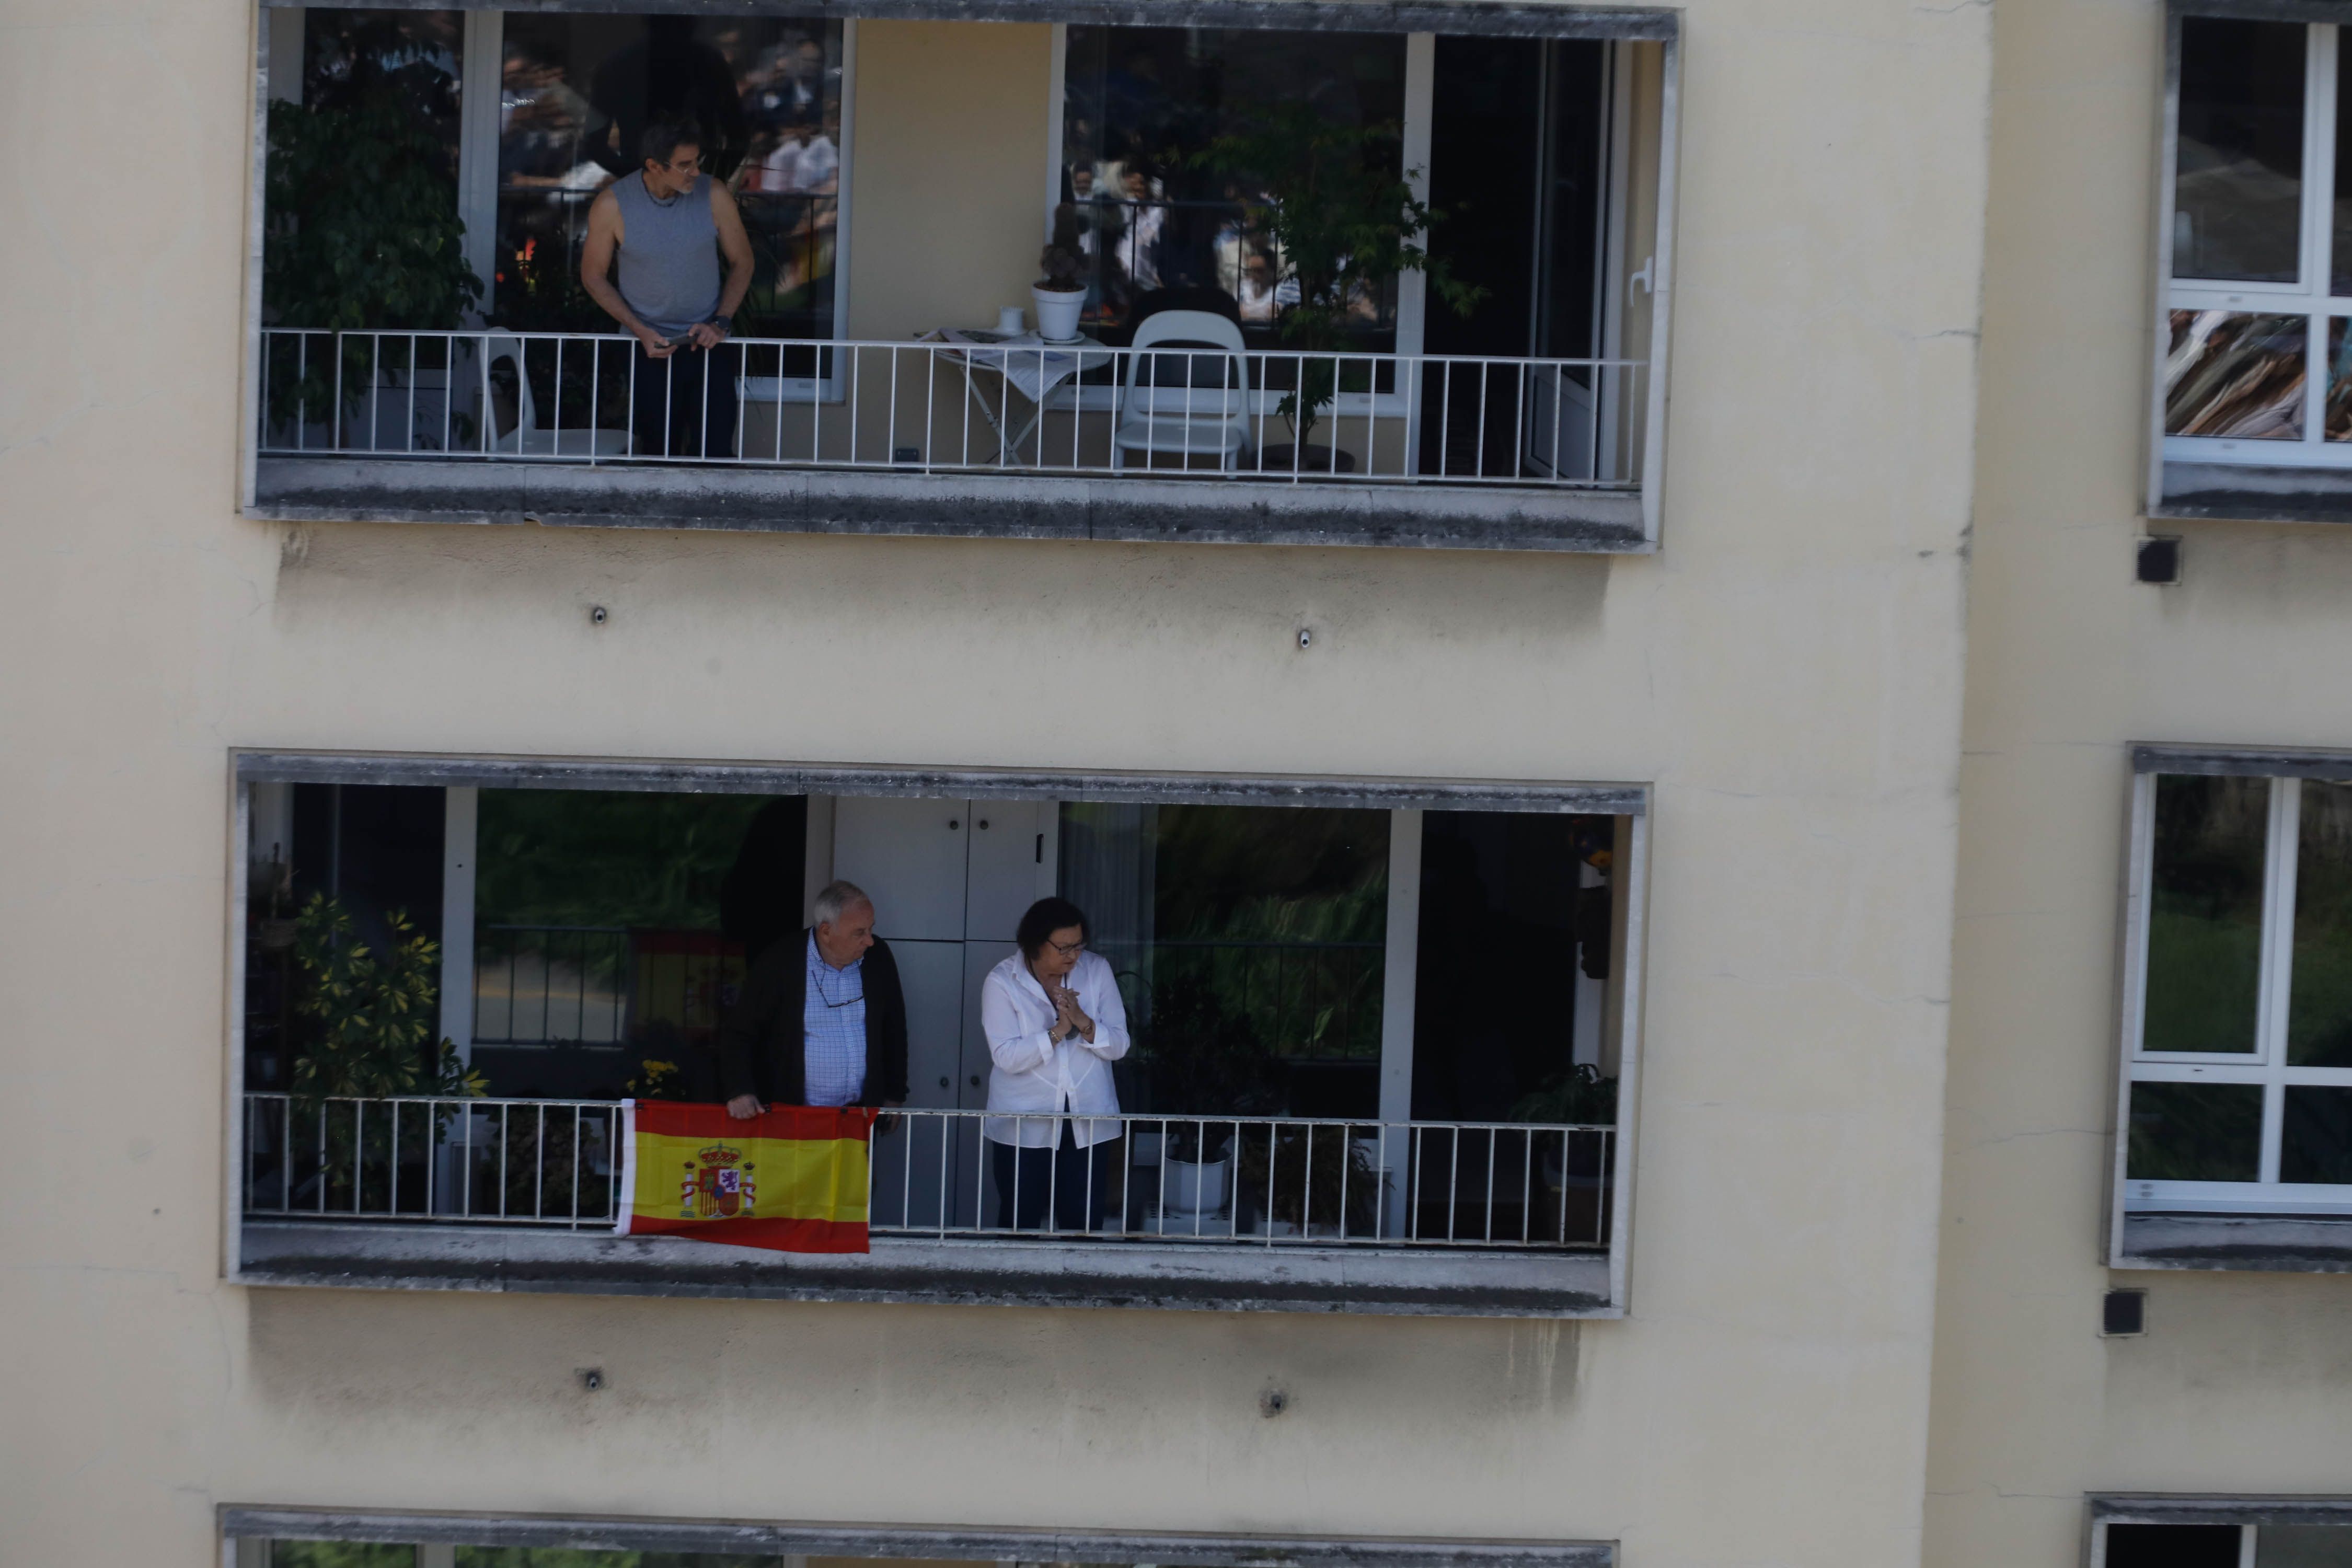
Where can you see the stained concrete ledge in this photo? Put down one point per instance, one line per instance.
(1215, 1276)
(2245, 493)
(959, 506)
(883, 1541)
(2253, 1243)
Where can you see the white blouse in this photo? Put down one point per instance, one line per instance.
(1033, 1074)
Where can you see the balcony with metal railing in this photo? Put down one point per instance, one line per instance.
(959, 431)
(1481, 1218)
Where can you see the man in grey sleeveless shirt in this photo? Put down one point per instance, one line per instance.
(656, 239)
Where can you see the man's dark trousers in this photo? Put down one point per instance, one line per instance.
(683, 407)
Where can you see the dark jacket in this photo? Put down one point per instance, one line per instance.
(763, 1043)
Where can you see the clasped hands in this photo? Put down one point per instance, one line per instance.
(1069, 1018)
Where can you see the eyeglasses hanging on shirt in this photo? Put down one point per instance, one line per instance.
(845, 1001)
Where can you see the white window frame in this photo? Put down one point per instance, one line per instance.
(2308, 296)
(2249, 1515)
(2265, 1066)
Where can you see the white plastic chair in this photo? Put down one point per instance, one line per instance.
(525, 438)
(1194, 403)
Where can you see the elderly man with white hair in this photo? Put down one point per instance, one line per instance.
(821, 1021)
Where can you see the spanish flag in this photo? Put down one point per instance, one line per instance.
(792, 1178)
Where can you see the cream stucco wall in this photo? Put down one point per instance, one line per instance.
(2240, 1384)
(1785, 672)
(947, 184)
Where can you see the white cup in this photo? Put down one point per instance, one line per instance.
(1008, 321)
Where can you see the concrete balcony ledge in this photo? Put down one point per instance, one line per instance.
(963, 504)
(2236, 492)
(2254, 1242)
(1217, 1276)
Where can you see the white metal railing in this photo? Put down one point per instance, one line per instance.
(974, 404)
(555, 1163)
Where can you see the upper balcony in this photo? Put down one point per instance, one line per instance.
(1456, 346)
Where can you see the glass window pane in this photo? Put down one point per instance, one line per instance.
(2230, 374)
(2319, 1005)
(2205, 913)
(1160, 225)
(579, 90)
(2195, 1133)
(2315, 1139)
(2172, 1546)
(2335, 420)
(1250, 943)
(2303, 1546)
(339, 1554)
(2238, 180)
(2340, 241)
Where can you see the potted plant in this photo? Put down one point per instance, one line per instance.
(1580, 1097)
(1060, 293)
(363, 236)
(369, 1036)
(1321, 1177)
(1343, 226)
(1205, 1062)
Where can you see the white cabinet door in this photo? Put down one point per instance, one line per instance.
(931, 974)
(913, 1172)
(1008, 864)
(908, 855)
(979, 958)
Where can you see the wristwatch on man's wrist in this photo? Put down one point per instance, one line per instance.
(723, 321)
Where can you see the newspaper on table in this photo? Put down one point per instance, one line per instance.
(1033, 367)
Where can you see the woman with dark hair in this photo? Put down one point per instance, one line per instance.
(1054, 1024)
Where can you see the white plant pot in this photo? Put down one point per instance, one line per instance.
(1057, 312)
(1187, 1188)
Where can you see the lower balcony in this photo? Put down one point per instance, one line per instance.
(1186, 436)
(1425, 1217)
(1312, 1111)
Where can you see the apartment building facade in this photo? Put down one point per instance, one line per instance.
(2139, 1321)
(1724, 968)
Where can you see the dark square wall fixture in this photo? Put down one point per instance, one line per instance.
(2160, 561)
(2124, 1312)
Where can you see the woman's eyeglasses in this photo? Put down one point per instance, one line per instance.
(1066, 949)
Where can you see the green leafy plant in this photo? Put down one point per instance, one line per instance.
(1581, 1096)
(1205, 1060)
(363, 234)
(1344, 226)
(1335, 1187)
(656, 1081)
(371, 1016)
(364, 228)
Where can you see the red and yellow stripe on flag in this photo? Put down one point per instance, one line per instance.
(792, 1178)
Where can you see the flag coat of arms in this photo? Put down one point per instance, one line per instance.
(792, 1178)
